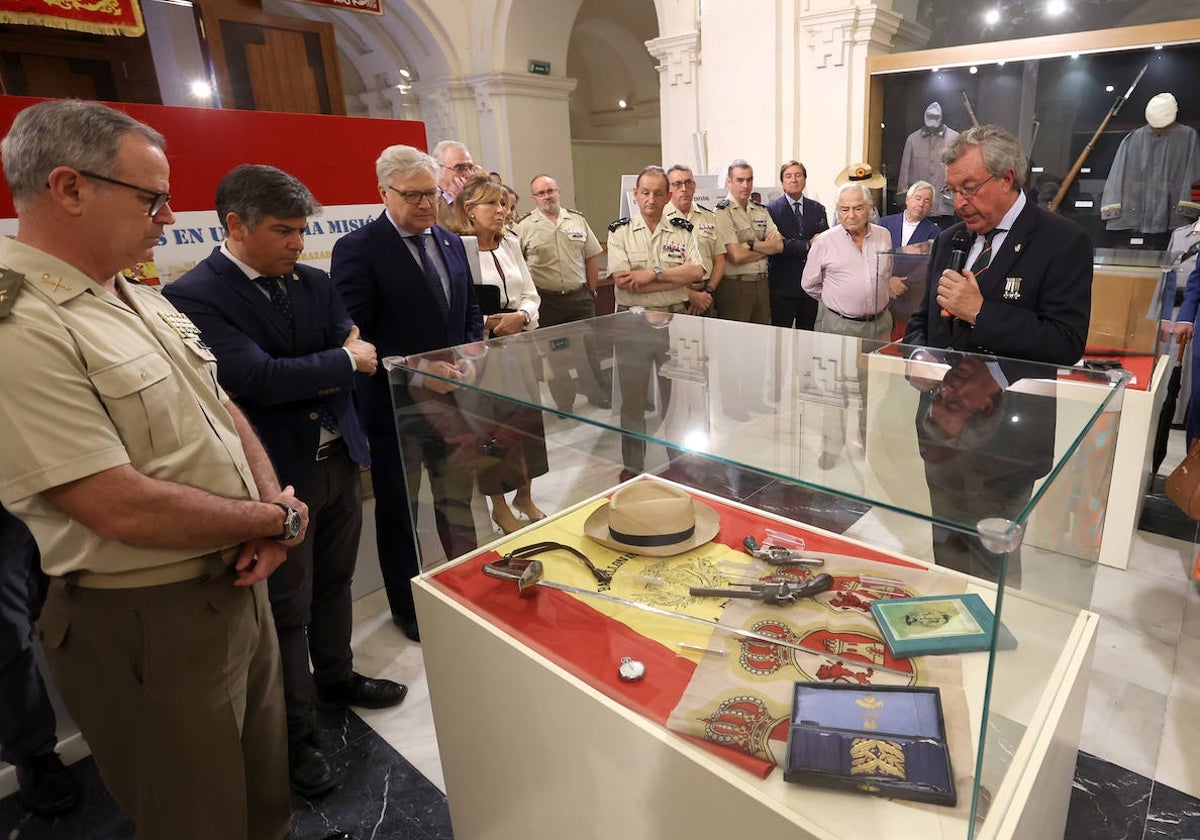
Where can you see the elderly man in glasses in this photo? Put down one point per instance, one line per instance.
(406, 283)
(455, 166)
(1025, 289)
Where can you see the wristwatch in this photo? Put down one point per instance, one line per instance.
(750, 244)
(658, 272)
(708, 288)
(292, 521)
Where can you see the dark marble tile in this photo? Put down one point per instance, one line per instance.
(714, 477)
(379, 795)
(1107, 802)
(97, 818)
(1162, 516)
(1173, 815)
(811, 507)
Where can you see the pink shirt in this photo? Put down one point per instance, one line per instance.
(850, 281)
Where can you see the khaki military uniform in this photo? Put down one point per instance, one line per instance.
(556, 252)
(91, 383)
(743, 294)
(631, 245)
(704, 224)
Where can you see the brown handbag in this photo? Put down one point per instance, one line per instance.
(1183, 484)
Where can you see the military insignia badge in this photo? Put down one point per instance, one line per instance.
(181, 324)
(1012, 288)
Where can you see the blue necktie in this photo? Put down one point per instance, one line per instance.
(799, 211)
(431, 275)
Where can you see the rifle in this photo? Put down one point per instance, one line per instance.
(1087, 150)
(970, 110)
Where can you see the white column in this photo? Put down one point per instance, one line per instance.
(678, 58)
(524, 127)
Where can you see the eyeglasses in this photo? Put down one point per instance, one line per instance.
(415, 197)
(966, 192)
(157, 200)
(545, 193)
(678, 185)
(461, 168)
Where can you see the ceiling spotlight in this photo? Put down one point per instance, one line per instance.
(404, 71)
(992, 17)
(201, 89)
(1056, 7)
(621, 103)
(1108, 88)
(974, 70)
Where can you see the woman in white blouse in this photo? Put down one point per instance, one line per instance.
(519, 453)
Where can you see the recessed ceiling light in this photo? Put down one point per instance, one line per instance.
(1056, 7)
(404, 71)
(934, 69)
(621, 103)
(992, 17)
(201, 89)
(1108, 88)
(974, 70)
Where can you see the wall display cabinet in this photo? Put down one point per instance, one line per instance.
(607, 698)
(1054, 94)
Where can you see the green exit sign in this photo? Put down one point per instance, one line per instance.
(542, 68)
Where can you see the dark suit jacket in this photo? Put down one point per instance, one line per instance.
(1048, 322)
(385, 292)
(279, 377)
(784, 269)
(894, 223)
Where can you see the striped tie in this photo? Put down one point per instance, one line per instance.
(985, 256)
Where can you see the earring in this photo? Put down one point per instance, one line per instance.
(472, 218)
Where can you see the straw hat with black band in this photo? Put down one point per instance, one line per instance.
(653, 519)
(860, 173)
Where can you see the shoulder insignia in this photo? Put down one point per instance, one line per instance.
(680, 222)
(621, 222)
(758, 204)
(522, 218)
(723, 203)
(10, 288)
(575, 212)
(702, 207)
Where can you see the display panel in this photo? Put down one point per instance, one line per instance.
(820, 446)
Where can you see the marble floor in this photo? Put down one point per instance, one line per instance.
(1137, 776)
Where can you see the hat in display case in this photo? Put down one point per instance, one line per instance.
(654, 519)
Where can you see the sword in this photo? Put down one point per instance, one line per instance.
(531, 576)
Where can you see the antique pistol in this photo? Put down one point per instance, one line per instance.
(777, 555)
(777, 594)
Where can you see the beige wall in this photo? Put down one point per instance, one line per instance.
(599, 166)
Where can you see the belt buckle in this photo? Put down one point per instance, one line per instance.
(327, 449)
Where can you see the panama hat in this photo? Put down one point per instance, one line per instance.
(653, 519)
(860, 173)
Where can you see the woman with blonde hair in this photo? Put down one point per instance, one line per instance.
(517, 451)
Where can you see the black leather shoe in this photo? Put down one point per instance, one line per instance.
(310, 772)
(47, 787)
(408, 625)
(361, 691)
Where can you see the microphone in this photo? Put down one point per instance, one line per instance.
(960, 245)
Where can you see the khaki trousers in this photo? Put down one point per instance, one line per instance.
(746, 300)
(178, 691)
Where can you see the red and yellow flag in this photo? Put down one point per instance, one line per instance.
(103, 17)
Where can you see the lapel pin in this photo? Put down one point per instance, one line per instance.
(446, 243)
(1017, 248)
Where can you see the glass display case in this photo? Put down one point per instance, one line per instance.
(625, 661)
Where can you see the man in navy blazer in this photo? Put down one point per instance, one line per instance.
(289, 355)
(910, 274)
(406, 283)
(790, 305)
(917, 202)
(1025, 293)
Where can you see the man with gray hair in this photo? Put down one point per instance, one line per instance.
(156, 509)
(749, 235)
(406, 282)
(455, 166)
(1027, 289)
(288, 351)
(843, 270)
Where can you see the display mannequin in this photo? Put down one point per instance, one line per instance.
(922, 161)
(1149, 188)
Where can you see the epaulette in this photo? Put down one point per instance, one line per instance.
(621, 222)
(758, 203)
(679, 221)
(10, 288)
(521, 218)
(723, 203)
(702, 207)
(576, 212)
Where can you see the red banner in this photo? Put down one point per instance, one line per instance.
(370, 7)
(103, 17)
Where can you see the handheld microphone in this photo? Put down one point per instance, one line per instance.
(960, 246)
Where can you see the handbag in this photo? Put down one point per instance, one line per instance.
(1183, 484)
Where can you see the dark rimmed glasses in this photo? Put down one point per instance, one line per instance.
(157, 200)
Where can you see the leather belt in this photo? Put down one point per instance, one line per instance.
(331, 448)
(861, 319)
(206, 566)
(759, 275)
(577, 289)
